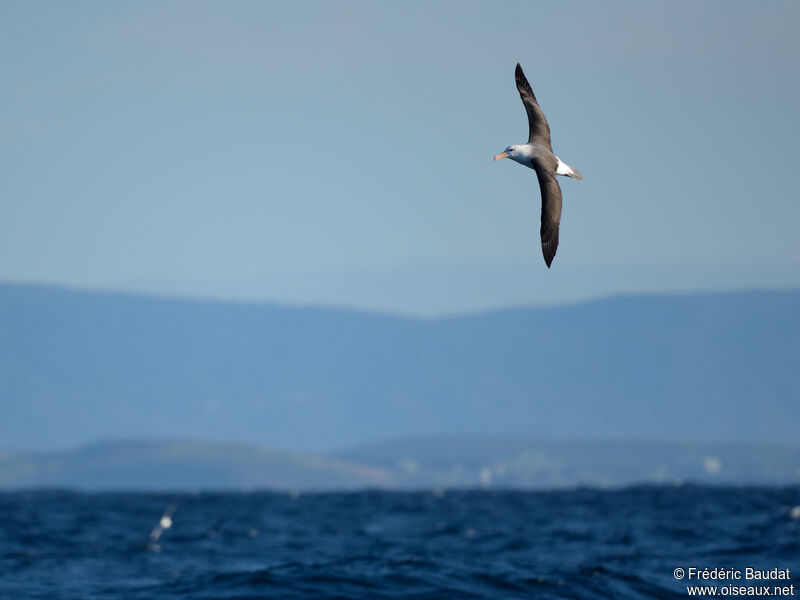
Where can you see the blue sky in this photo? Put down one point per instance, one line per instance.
(340, 153)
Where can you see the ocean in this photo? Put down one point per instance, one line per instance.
(638, 542)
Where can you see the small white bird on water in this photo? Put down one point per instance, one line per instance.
(538, 155)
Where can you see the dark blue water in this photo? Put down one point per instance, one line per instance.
(466, 544)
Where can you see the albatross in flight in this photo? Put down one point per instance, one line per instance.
(538, 155)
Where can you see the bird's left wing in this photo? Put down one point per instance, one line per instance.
(551, 214)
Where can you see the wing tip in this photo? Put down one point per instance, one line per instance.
(549, 252)
(549, 248)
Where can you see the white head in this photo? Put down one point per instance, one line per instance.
(517, 152)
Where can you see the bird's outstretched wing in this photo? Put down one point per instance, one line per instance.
(551, 214)
(539, 129)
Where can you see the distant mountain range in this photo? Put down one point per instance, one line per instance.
(180, 465)
(79, 366)
(414, 463)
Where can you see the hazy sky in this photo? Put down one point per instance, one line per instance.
(341, 153)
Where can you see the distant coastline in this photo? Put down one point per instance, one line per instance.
(431, 462)
(78, 366)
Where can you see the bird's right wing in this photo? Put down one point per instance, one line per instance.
(539, 129)
(551, 214)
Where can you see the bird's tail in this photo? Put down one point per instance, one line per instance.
(574, 173)
(564, 169)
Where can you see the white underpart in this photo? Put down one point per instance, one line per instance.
(563, 168)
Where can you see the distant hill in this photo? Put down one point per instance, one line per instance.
(181, 465)
(413, 463)
(466, 461)
(79, 366)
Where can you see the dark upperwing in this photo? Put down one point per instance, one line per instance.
(551, 213)
(539, 129)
